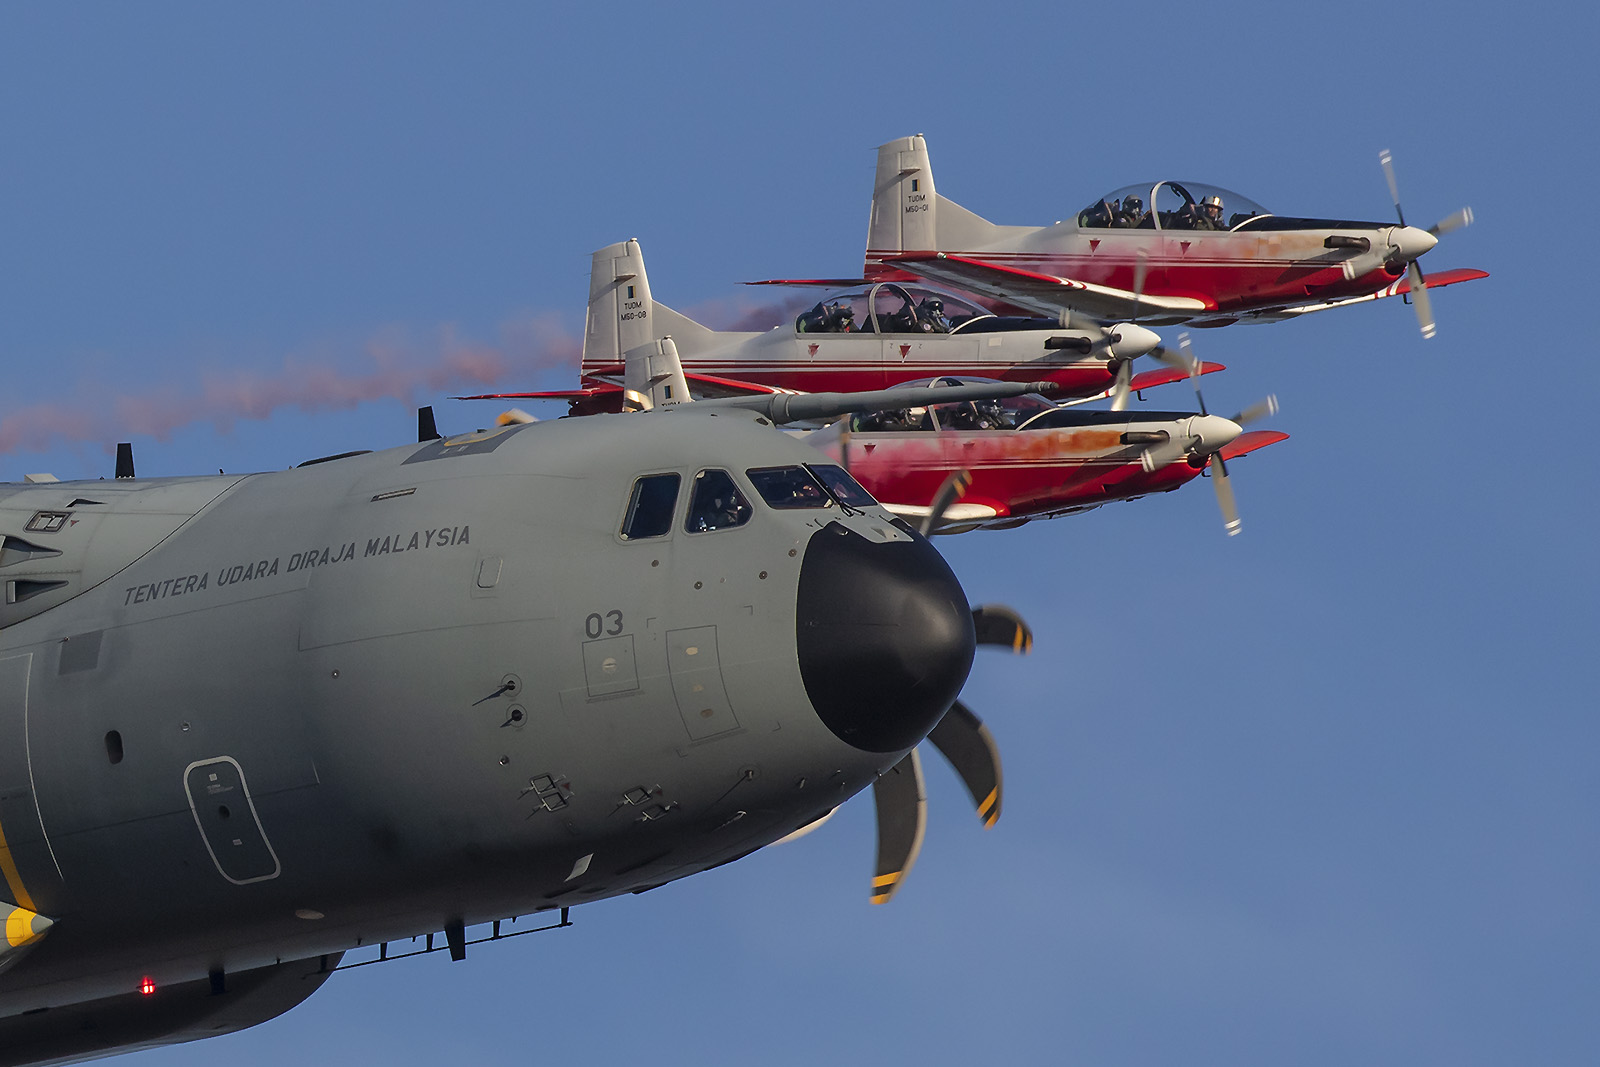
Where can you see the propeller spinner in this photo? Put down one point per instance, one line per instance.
(1208, 435)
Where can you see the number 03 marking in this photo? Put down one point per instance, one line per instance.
(596, 624)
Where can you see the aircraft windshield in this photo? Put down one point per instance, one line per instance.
(650, 508)
(789, 487)
(1177, 206)
(888, 308)
(716, 503)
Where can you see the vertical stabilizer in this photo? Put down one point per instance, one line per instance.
(619, 304)
(909, 215)
(902, 199)
(623, 315)
(653, 377)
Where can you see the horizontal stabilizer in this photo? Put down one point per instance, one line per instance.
(701, 387)
(1044, 293)
(550, 394)
(821, 283)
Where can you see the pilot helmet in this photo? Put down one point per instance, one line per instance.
(1213, 201)
(1132, 203)
(934, 304)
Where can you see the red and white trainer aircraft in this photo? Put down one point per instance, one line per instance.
(1160, 252)
(997, 464)
(990, 460)
(864, 338)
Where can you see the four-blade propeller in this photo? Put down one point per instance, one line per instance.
(1208, 435)
(1417, 281)
(900, 795)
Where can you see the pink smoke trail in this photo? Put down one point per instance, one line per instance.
(390, 367)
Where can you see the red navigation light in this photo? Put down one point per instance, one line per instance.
(147, 985)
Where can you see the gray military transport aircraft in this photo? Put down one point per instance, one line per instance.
(248, 724)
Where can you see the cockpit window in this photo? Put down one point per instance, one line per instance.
(845, 489)
(889, 307)
(837, 313)
(1007, 414)
(655, 497)
(789, 487)
(716, 503)
(1170, 206)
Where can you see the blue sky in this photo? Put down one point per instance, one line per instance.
(1320, 794)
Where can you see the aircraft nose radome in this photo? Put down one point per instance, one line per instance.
(1134, 340)
(884, 637)
(1413, 242)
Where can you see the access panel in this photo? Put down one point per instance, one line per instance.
(697, 682)
(228, 822)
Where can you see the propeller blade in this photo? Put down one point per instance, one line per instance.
(997, 624)
(1419, 299)
(1260, 410)
(1169, 357)
(1454, 221)
(1120, 387)
(954, 488)
(970, 749)
(1387, 162)
(1192, 365)
(1141, 270)
(1225, 501)
(1157, 456)
(902, 803)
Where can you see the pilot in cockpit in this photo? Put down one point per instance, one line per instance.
(1209, 216)
(837, 317)
(930, 316)
(973, 415)
(1129, 214)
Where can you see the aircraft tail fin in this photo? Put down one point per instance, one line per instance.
(909, 215)
(622, 314)
(652, 377)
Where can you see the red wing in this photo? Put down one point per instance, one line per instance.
(1444, 278)
(1251, 440)
(1165, 375)
(1399, 287)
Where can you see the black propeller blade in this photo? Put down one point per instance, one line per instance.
(968, 745)
(954, 488)
(997, 624)
(902, 803)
